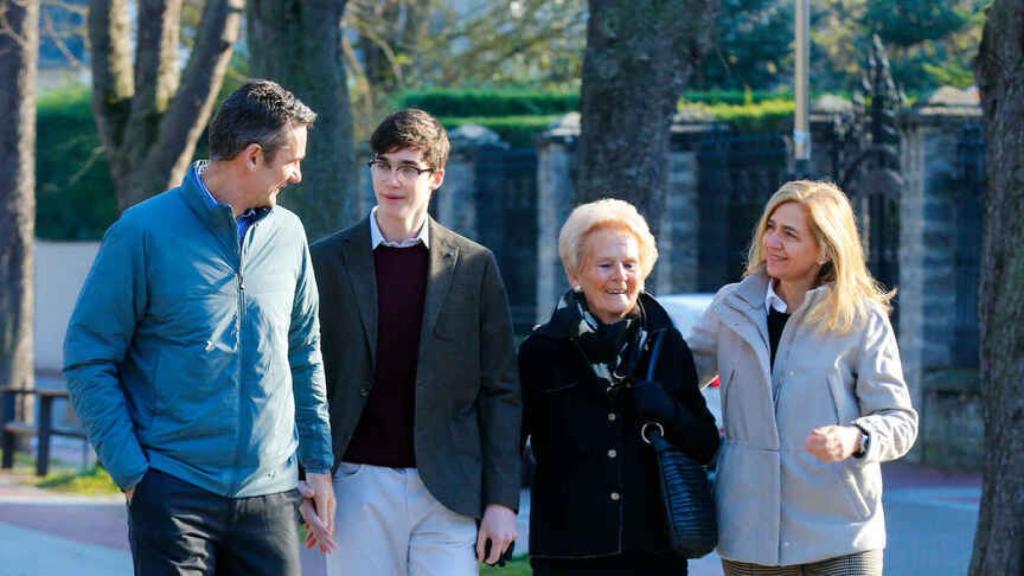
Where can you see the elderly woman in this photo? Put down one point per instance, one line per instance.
(595, 506)
(813, 397)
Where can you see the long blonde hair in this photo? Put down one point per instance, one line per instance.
(830, 218)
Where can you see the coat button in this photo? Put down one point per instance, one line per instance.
(615, 496)
(612, 453)
(611, 416)
(364, 392)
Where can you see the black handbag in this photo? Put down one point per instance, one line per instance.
(685, 487)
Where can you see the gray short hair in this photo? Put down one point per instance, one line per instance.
(260, 112)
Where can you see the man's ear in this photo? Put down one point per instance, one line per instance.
(253, 155)
(436, 179)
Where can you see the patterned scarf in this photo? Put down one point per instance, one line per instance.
(612, 350)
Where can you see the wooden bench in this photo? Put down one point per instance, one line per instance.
(45, 430)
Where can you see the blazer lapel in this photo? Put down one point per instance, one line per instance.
(443, 256)
(357, 255)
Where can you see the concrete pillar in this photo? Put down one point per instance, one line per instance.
(678, 241)
(456, 200)
(556, 165)
(930, 135)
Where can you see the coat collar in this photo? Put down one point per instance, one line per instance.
(749, 294)
(741, 309)
(217, 218)
(357, 255)
(444, 254)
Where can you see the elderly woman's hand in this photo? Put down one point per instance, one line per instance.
(833, 443)
(652, 402)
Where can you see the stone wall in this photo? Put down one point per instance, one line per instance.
(939, 248)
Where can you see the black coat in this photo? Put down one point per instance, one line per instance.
(596, 489)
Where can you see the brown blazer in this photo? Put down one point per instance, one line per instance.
(468, 401)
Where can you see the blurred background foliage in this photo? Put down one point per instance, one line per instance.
(512, 66)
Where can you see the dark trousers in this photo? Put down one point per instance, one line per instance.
(626, 564)
(177, 528)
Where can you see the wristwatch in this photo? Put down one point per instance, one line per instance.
(863, 444)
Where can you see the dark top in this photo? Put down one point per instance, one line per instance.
(384, 435)
(776, 323)
(596, 488)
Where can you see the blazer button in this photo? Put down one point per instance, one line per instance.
(364, 392)
(615, 496)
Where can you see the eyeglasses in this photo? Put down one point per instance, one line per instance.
(406, 173)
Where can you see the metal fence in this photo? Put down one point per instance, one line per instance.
(969, 197)
(507, 223)
(737, 174)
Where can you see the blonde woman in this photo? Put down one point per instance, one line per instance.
(595, 507)
(813, 396)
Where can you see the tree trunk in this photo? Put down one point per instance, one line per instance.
(149, 114)
(638, 58)
(19, 48)
(298, 44)
(999, 540)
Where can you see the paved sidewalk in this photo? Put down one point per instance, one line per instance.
(931, 519)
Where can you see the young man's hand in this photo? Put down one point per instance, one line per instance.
(317, 510)
(498, 526)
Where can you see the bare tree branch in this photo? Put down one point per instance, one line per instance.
(112, 82)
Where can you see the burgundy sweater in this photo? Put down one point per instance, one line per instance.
(384, 434)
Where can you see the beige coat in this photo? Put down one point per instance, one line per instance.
(778, 504)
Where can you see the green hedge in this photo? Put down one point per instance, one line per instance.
(75, 197)
(518, 131)
(489, 103)
(761, 117)
(506, 102)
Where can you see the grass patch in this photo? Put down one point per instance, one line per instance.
(519, 566)
(93, 481)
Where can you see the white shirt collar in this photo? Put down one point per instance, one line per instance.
(772, 300)
(377, 237)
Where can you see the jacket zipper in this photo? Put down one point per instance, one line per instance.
(240, 280)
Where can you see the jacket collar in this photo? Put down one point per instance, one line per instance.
(358, 265)
(218, 218)
(749, 295)
(444, 254)
(357, 253)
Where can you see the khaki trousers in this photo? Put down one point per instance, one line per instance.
(388, 524)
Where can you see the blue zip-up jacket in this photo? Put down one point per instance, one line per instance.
(198, 356)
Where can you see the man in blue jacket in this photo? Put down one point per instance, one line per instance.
(193, 355)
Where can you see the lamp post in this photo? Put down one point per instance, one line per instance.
(801, 91)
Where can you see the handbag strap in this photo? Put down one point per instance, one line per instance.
(659, 338)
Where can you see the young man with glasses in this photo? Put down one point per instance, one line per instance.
(424, 399)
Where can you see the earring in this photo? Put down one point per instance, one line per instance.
(577, 288)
